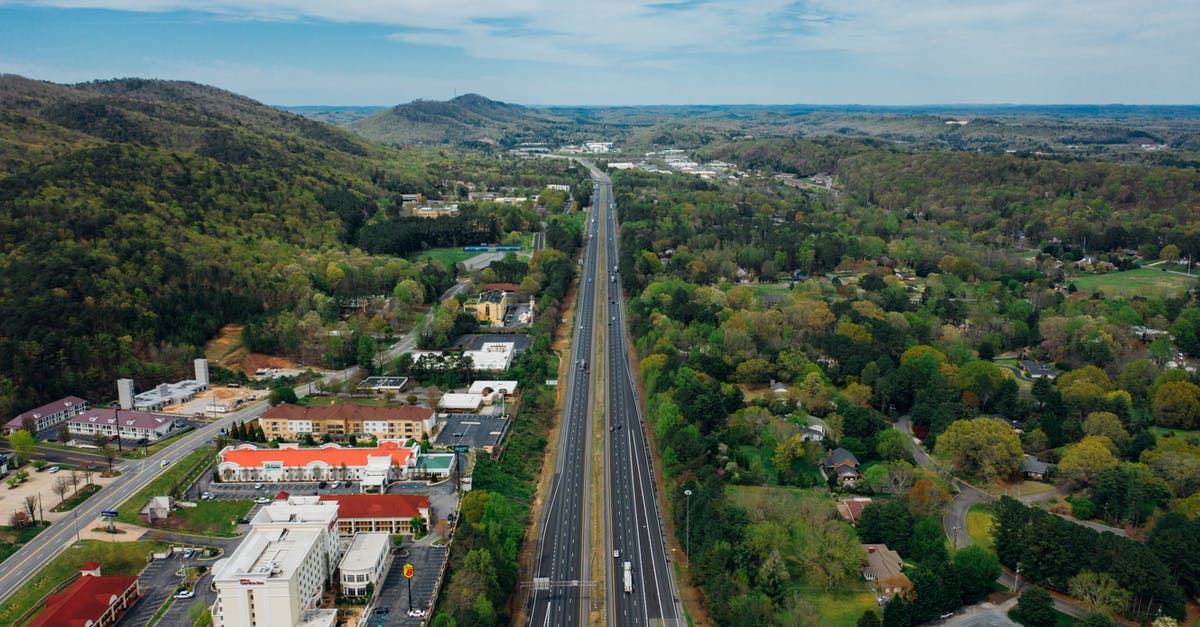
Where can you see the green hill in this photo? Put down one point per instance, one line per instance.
(466, 119)
(138, 216)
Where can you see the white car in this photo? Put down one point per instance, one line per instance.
(616, 553)
(54, 469)
(262, 500)
(335, 485)
(416, 613)
(184, 594)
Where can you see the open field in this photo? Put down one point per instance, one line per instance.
(1148, 282)
(1019, 488)
(979, 526)
(119, 558)
(211, 518)
(161, 485)
(785, 499)
(448, 256)
(841, 608)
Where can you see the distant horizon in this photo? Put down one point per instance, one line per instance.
(626, 52)
(1000, 105)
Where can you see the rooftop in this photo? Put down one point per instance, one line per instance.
(481, 387)
(267, 553)
(882, 562)
(46, 410)
(349, 411)
(460, 401)
(491, 296)
(124, 418)
(85, 600)
(364, 550)
(291, 456)
(377, 505)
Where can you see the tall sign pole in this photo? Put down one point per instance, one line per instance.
(408, 574)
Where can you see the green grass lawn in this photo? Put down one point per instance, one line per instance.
(211, 518)
(140, 452)
(1178, 433)
(448, 256)
(789, 499)
(1023, 488)
(841, 608)
(77, 499)
(1148, 282)
(118, 558)
(11, 540)
(979, 526)
(178, 470)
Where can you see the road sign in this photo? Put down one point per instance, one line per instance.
(109, 512)
(408, 570)
(461, 448)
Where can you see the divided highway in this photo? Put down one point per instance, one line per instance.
(632, 522)
(562, 543)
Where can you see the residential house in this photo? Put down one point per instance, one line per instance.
(842, 464)
(1032, 468)
(851, 509)
(884, 567)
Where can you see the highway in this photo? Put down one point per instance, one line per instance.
(22, 565)
(634, 523)
(563, 539)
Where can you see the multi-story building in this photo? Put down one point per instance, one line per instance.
(129, 425)
(49, 415)
(277, 575)
(374, 467)
(365, 562)
(339, 420)
(489, 307)
(387, 513)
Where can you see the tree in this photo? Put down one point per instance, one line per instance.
(1083, 461)
(64, 434)
(31, 503)
(1177, 404)
(19, 520)
(988, 447)
(22, 445)
(928, 541)
(1099, 592)
(869, 618)
(61, 486)
(891, 445)
(109, 455)
(927, 499)
(282, 394)
(1035, 607)
(977, 570)
(1107, 424)
(887, 523)
(418, 526)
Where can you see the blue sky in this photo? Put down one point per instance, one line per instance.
(383, 52)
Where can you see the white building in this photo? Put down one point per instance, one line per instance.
(373, 467)
(165, 393)
(129, 425)
(460, 403)
(491, 391)
(49, 415)
(492, 356)
(277, 575)
(365, 562)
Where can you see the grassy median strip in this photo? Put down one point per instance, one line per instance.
(117, 558)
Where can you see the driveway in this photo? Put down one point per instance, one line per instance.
(427, 564)
(159, 580)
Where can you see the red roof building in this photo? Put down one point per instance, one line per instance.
(389, 461)
(390, 513)
(90, 601)
(48, 415)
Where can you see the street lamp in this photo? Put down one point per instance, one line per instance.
(687, 537)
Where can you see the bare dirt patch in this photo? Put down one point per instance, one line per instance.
(226, 350)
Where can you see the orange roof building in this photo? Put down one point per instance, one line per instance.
(374, 467)
(390, 513)
(90, 601)
(339, 420)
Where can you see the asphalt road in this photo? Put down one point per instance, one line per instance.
(563, 539)
(409, 340)
(634, 523)
(21, 566)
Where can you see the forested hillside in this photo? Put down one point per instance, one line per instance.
(137, 217)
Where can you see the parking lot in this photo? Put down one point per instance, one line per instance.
(475, 341)
(473, 430)
(393, 595)
(159, 581)
(247, 490)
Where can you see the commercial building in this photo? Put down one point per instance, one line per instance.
(165, 393)
(129, 425)
(491, 391)
(277, 575)
(339, 420)
(374, 467)
(492, 356)
(383, 513)
(48, 415)
(364, 563)
(460, 403)
(92, 600)
(489, 307)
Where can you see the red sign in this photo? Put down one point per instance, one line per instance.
(251, 582)
(408, 570)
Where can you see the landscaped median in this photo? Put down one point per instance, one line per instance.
(119, 558)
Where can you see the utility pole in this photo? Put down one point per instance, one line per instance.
(687, 535)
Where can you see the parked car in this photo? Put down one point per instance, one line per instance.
(262, 500)
(187, 553)
(323, 485)
(258, 486)
(54, 469)
(336, 485)
(184, 594)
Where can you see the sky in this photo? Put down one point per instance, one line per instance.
(624, 52)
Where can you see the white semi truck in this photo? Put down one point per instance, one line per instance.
(628, 577)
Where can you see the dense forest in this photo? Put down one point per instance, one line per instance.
(137, 217)
(891, 301)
